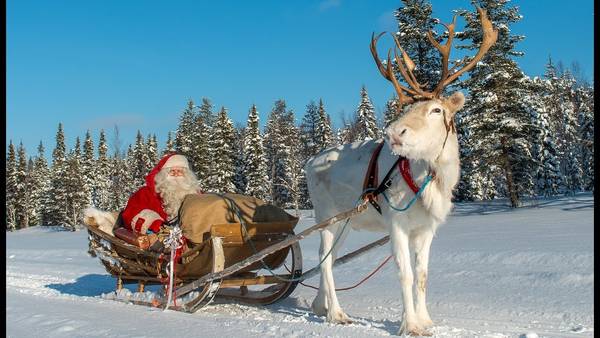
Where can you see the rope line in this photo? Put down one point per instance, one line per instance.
(413, 200)
(355, 285)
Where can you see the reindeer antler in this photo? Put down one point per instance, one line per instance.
(388, 72)
(406, 65)
(490, 35)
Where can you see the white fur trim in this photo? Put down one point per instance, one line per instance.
(103, 219)
(177, 161)
(149, 216)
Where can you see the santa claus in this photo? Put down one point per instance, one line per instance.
(159, 200)
(154, 204)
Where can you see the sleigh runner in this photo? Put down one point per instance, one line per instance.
(250, 262)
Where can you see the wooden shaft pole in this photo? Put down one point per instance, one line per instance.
(269, 250)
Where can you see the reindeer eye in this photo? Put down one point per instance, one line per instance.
(436, 110)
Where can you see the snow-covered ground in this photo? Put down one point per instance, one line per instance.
(494, 272)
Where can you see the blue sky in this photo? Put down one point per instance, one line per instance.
(95, 64)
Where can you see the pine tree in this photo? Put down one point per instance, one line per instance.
(120, 187)
(254, 162)
(151, 152)
(584, 98)
(345, 134)
(88, 168)
(139, 162)
(239, 180)
(548, 176)
(11, 188)
(553, 102)
(365, 118)
(223, 171)
(205, 110)
(102, 194)
(572, 170)
(296, 184)
(308, 131)
(315, 135)
(392, 112)
(310, 143)
(121, 184)
(500, 122)
(185, 131)
(57, 207)
(282, 153)
(203, 158)
(565, 124)
(414, 21)
(40, 178)
(324, 138)
(170, 145)
(21, 198)
(32, 189)
(474, 184)
(74, 180)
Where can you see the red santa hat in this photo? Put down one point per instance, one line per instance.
(177, 161)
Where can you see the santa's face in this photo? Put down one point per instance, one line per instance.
(173, 184)
(176, 171)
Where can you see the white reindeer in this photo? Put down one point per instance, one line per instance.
(425, 135)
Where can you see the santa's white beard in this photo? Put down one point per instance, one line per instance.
(172, 190)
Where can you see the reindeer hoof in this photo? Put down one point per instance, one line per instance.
(318, 308)
(338, 318)
(413, 330)
(425, 322)
(416, 333)
(420, 333)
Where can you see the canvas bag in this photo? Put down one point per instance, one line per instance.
(199, 212)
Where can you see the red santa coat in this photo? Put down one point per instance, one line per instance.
(144, 210)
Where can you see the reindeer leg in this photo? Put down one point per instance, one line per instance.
(319, 304)
(422, 244)
(326, 301)
(400, 249)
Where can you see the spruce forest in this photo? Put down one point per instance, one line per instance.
(520, 136)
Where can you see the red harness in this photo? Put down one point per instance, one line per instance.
(371, 178)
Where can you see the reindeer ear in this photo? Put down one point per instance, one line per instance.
(455, 102)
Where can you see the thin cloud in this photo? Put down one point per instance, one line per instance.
(329, 4)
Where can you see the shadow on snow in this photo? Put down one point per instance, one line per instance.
(91, 285)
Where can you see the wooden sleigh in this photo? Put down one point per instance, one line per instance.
(262, 267)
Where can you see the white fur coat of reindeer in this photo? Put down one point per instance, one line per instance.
(426, 136)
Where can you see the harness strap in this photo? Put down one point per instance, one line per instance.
(370, 193)
(371, 176)
(371, 179)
